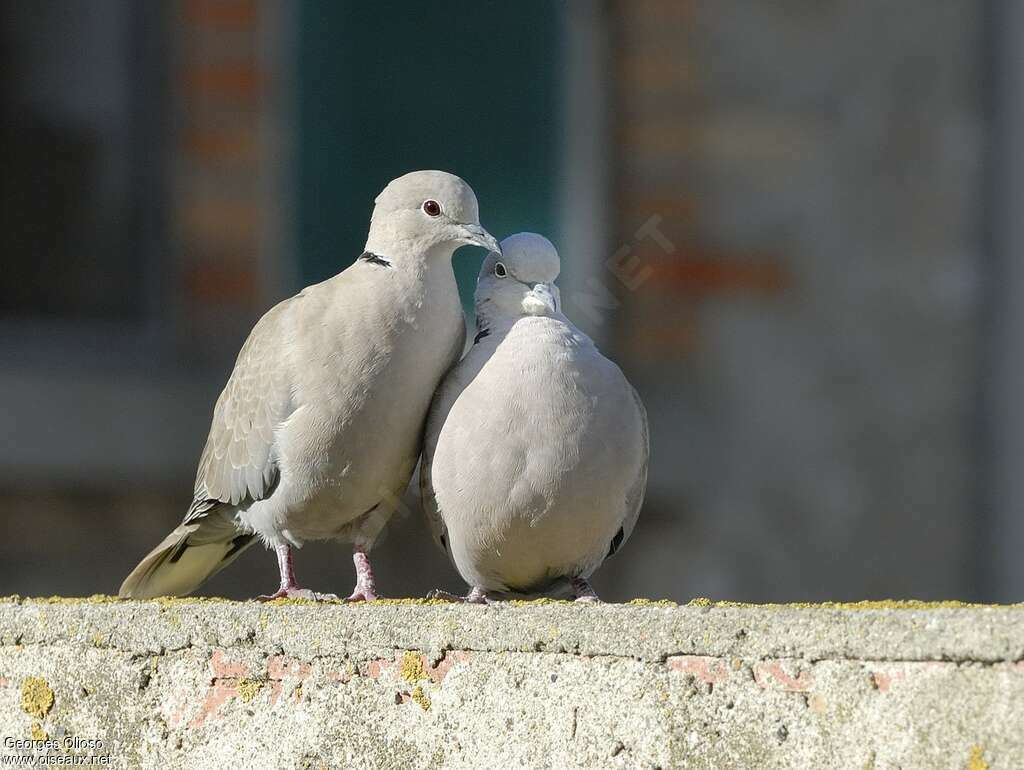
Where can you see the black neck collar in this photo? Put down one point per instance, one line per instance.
(374, 259)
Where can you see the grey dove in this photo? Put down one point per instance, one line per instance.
(536, 450)
(318, 430)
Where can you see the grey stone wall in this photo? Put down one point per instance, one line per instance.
(187, 684)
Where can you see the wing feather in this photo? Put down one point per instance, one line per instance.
(635, 495)
(239, 460)
(451, 386)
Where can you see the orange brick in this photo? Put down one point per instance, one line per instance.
(703, 276)
(655, 10)
(222, 223)
(234, 147)
(221, 12)
(223, 282)
(674, 209)
(657, 342)
(238, 82)
(656, 73)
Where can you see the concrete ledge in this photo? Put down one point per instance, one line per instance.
(191, 683)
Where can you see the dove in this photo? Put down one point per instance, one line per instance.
(318, 430)
(536, 448)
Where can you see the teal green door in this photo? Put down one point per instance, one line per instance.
(389, 87)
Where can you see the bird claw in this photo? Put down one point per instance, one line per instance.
(361, 595)
(584, 591)
(475, 596)
(297, 593)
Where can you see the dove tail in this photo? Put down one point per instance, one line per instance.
(186, 558)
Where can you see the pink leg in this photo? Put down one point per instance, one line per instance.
(289, 587)
(366, 584)
(584, 591)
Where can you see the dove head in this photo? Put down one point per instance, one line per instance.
(426, 213)
(520, 280)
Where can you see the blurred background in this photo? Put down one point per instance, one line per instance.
(795, 226)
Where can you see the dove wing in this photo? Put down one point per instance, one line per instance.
(239, 462)
(635, 495)
(446, 396)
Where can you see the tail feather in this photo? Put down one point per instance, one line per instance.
(187, 557)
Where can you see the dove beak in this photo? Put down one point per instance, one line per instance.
(475, 235)
(541, 300)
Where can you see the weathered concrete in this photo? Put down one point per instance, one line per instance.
(554, 685)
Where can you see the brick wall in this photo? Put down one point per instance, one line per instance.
(804, 334)
(224, 94)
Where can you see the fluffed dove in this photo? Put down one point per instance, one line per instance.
(535, 459)
(318, 429)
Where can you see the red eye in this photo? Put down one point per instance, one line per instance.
(432, 208)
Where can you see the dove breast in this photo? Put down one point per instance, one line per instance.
(537, 457)
(357, 356)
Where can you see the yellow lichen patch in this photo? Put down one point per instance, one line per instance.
(167, 602)
(38, 733)
(411, 668)
(412, 602)
(249, 689)
(653, 602)
(173, 602)
(977, 759)
(537, 602)
(867, 604)
(97, 639)
(94, 599)
(895, 604)
(420, 698)
(36, 697)
(299, 602)
(105, 599)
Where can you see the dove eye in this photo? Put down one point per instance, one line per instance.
(499, 270)
(432, 208)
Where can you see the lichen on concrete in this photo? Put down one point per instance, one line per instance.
(36, 697)
(176, 684)
(640, 602)
(171, 602)
(420, 698)
(865, 604)
(977, 759)
(248, 688)
(411, 668)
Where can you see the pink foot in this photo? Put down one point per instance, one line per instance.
(366, 584)
(361, 595)
(289, 587)
(584, 591)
